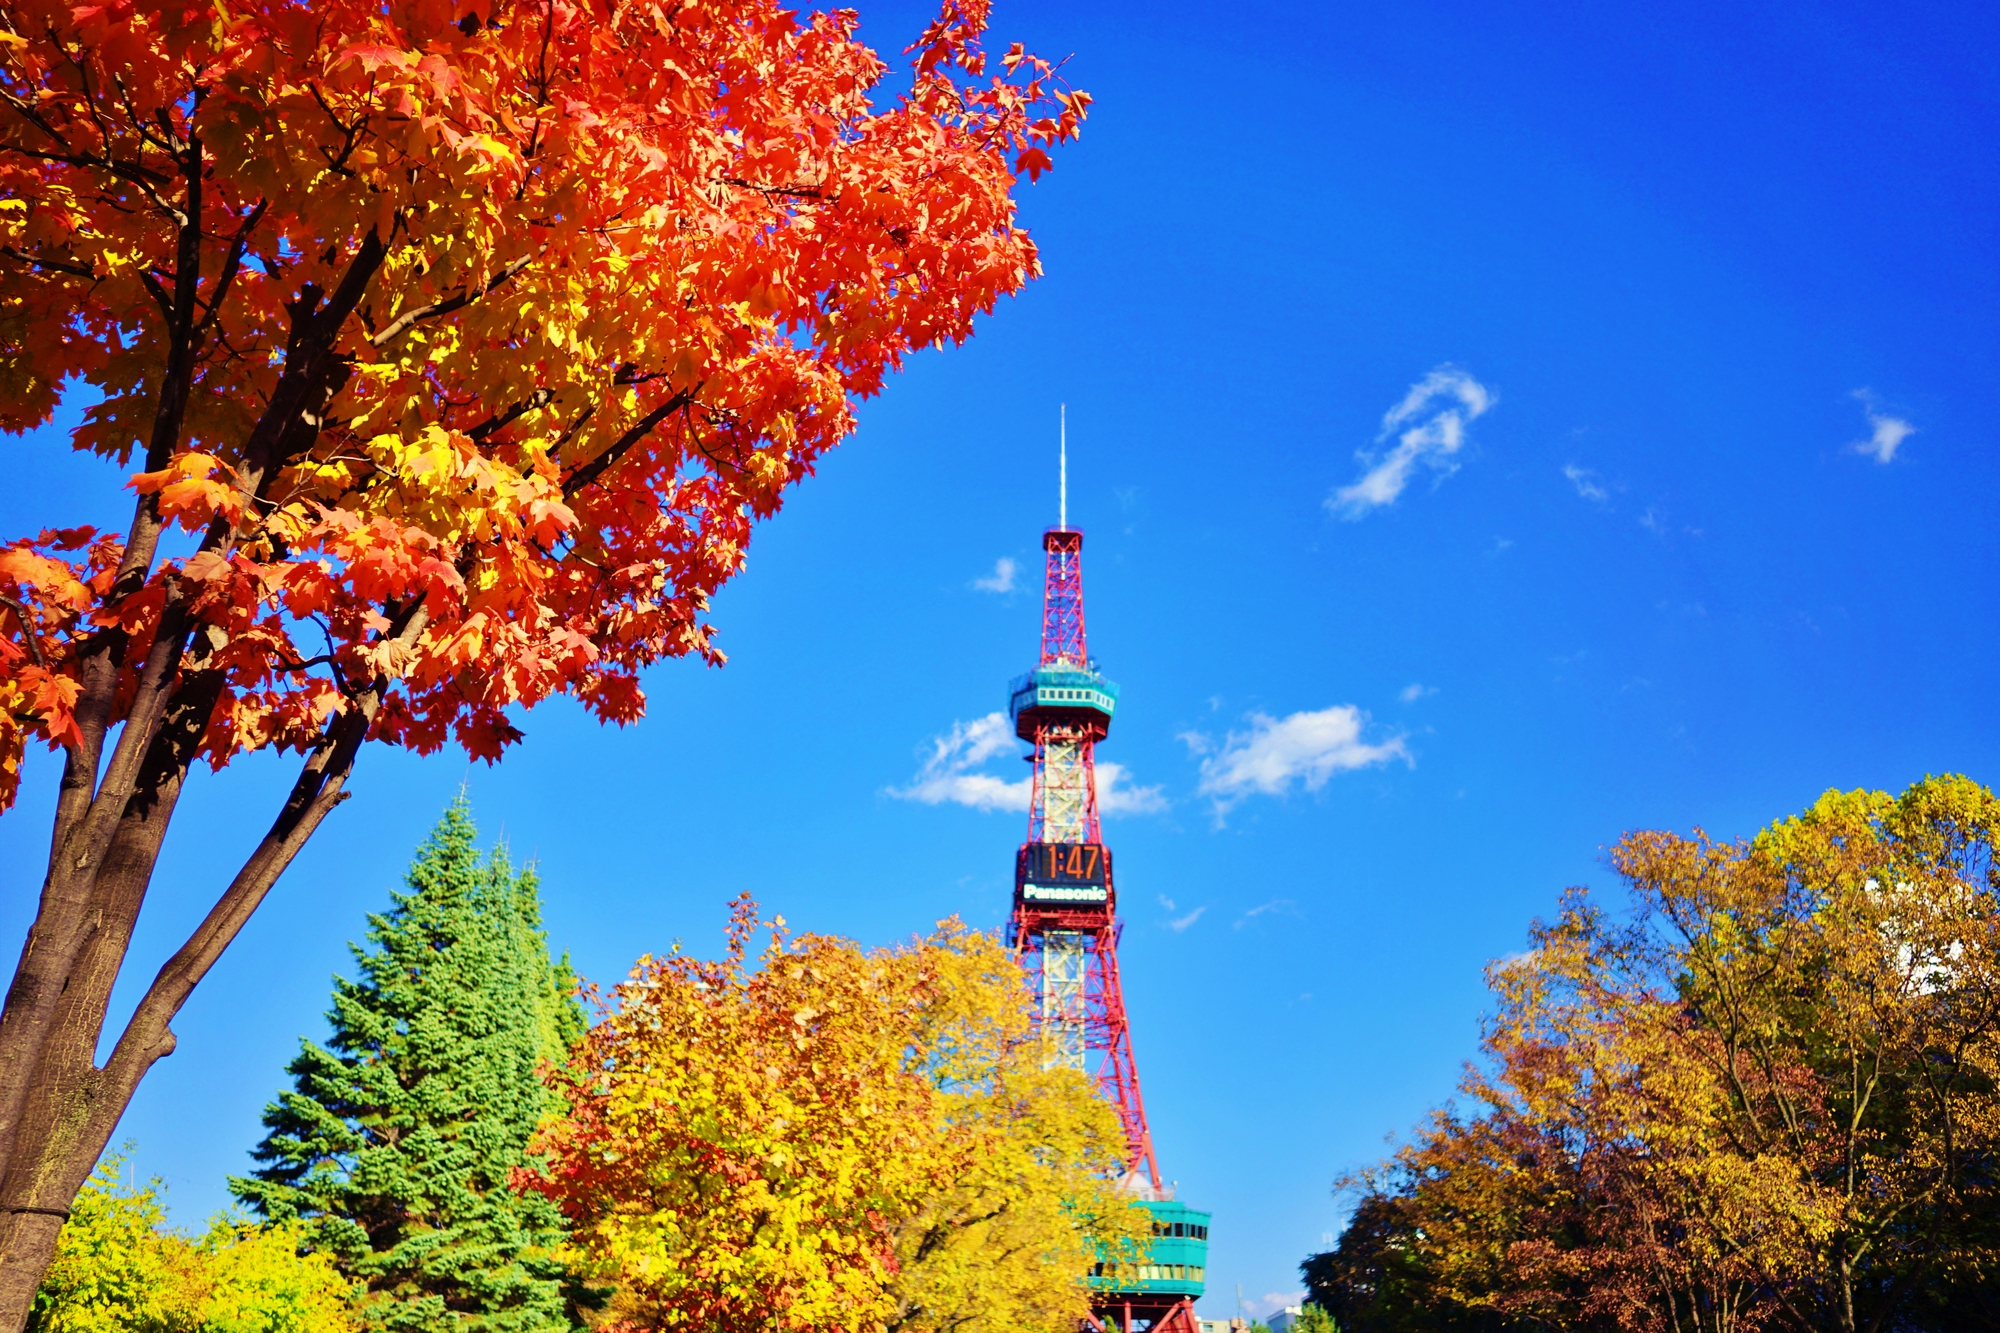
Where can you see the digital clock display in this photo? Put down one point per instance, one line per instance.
(1064, 872)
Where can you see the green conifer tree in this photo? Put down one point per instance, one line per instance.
(399, 1135)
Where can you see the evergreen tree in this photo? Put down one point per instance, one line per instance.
(398, 1138)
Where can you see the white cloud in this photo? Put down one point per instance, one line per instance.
(1273, 1301)
(949, 773)
(1181, 923)
(1431, 420)
(1890, 432)
(1412, 692)
(1116, 795)
(1000, 580)
(1306, 746)
(1585, 482)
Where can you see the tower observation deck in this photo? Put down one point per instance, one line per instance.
(1064, 932)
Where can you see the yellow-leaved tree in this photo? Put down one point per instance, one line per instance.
(1770, 1099)
(117, 1270)
(839, 1138)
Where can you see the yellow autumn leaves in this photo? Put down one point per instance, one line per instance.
(117, 1270)
(838, 1139)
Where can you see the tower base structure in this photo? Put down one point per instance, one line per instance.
(1142, 1314)
(1157, 1293)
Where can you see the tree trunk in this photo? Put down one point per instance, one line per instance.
(68, 1113)
(58, 1107)
(27, 1245)
(69, 1105)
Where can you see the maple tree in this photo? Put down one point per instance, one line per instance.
(838, 1139)
(1771, 1100)
(454, 349)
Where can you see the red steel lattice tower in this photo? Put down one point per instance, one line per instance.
(1065, 927)
(1064, 931)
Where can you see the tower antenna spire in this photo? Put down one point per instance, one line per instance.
(1062, 510)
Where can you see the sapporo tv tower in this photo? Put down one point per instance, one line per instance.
(1065, 933)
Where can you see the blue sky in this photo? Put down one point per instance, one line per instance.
(1699, 307)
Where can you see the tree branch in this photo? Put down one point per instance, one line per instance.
(501, 420)
(319, 788)
(53, 265)
(232, 263)
(585, 473)
(28, 635)
(79, 792)
(402, 323)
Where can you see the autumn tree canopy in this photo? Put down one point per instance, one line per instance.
(838, 1138)
(1769, 1100)
(453, 348)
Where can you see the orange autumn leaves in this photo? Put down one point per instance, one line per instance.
(838, 1139)
(465, 341)
(1770, 1100)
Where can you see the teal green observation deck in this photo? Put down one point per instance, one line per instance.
(1176, 1260)
(1061, 693)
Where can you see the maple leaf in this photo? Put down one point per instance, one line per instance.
(372, 56)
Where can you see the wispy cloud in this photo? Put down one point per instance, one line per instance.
(1429, 428)
(1414, 691)
(1181, 923)
(947, 773)
(1586, 484)
(1306, 747)
(1283, 906)
(950, 774)
(1000, 580)
(1889, 432)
